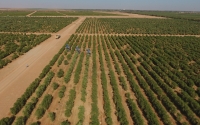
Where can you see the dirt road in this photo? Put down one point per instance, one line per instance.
(31, 13)
(16, 77)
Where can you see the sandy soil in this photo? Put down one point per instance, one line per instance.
(132, 15)
(88, 102)
(100, 90)
(16, 77)
(110, 91)
(129, 90)
(77, 101)
(122, 93)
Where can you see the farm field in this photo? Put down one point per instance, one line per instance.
(125, 80)
(128, 78)
(16, 77)
(14, 13)
(172, 14)
(14, 45)
(34, 24)
(139, 26)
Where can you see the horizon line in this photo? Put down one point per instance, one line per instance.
(101, 9)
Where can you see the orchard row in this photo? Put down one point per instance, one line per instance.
(34, 24)
(139, 26)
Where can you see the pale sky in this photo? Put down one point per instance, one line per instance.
(182, 5)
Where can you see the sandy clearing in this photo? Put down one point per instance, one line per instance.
(16, 77)
(131, 15)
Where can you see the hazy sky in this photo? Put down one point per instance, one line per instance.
(187, 5)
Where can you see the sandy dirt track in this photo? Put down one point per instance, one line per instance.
(31, 13)
(16, 77)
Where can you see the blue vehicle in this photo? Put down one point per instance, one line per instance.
(67, 47)
(88, 51)
(78, 49)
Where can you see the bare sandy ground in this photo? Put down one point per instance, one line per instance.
(16, 77)
(132, 15)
